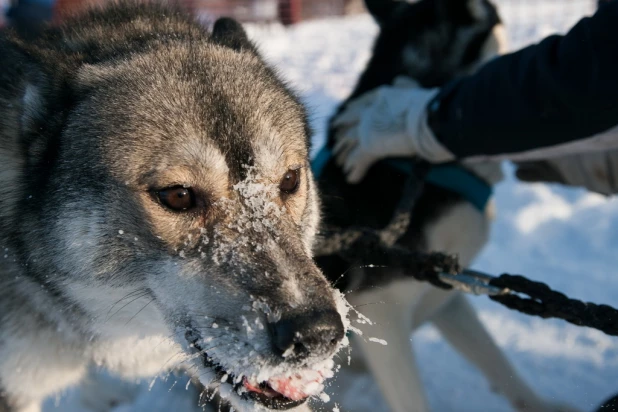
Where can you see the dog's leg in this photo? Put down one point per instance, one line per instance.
(460, 325)
(393, 365)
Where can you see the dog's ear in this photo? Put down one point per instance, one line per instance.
(475, 10)
(24, 88)
(478, 9)
(382, 10)
(230, 33)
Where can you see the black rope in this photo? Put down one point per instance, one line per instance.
(544, 302)
(357, 245)
(365, 246)
(425, 267)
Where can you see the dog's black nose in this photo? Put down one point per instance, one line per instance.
(313, 333)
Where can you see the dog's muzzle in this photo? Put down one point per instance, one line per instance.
(298, 337)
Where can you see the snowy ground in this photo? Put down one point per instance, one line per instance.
(564, 237)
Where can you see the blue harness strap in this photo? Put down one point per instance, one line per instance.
(449, 176)
(319, 161)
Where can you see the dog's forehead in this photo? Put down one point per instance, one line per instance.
(219, 110)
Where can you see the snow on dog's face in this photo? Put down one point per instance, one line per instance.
(185, 205)
(431, 41)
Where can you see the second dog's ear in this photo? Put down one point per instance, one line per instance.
(230, 33)
(382, 10)
(477, 10)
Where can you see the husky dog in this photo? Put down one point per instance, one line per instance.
(430, 42)
(158, 211)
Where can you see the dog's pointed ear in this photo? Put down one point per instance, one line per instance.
(382, 10)
(477, 10)
(26, 99)
(230, 33)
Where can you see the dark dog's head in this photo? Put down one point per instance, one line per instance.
(431, 41)
(167, 191)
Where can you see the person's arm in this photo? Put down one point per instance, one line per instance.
(555, 98)
(558, 91)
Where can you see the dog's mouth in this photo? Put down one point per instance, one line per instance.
(287, 396)
(280, 392)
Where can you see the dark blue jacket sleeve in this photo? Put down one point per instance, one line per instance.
(565, 88)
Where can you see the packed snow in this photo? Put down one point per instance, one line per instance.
(564, 237)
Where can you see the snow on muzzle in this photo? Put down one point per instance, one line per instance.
(315, 333)
(304, 343)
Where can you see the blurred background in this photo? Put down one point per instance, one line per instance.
(262, 11)
(286, 12)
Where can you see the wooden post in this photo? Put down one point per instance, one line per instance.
(290, 11)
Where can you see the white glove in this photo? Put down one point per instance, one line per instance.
(390, 121)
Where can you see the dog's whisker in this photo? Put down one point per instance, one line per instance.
(144, 294)
(354, 267)
(139, 311)
(368, 304)
(128, 295)
(167, 338)
(193, 356)
(172, 357)
(334, 284)
(209, 316)
(347, 292)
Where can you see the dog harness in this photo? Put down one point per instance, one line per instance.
(452, 177)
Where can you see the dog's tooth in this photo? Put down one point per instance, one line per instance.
(289, 351)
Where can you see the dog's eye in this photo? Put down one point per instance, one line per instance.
(177, 198)
(290, 181)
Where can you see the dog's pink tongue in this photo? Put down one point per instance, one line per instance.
(298, 387)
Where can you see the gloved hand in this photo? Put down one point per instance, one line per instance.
(390, 121)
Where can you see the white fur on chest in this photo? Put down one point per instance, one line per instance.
(130, 336)
(127, 337)
(134, 357)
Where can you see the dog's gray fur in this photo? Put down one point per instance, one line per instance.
(95, 118)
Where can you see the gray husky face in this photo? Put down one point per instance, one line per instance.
(431, 41)
(182, 182)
